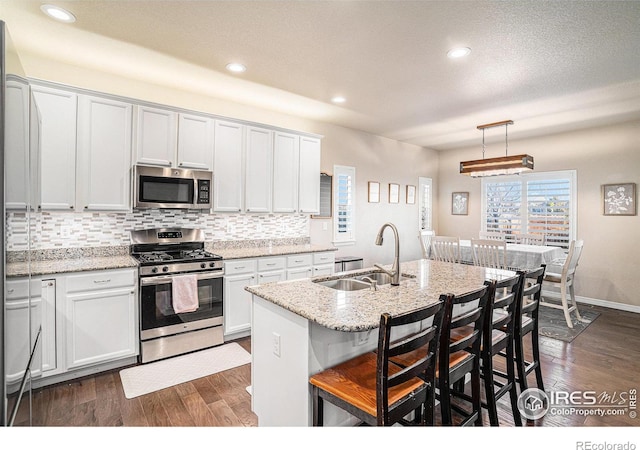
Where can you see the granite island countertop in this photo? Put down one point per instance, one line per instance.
(360, 310)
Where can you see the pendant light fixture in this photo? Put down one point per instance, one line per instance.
(506, 165)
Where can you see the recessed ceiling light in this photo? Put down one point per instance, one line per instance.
(236, 68)
(338, 99)
(58, 13)
(458, 52)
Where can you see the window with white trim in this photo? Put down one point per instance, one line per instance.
(542, 203)
(344, 192)
(426, 203)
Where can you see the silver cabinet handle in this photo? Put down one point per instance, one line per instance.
(102, 281)
(271, 264)
(10, 291)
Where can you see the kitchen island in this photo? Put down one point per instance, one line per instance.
(301, 327)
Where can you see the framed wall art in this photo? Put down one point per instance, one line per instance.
(411, 194)
(374, 192)
(394, 193)
(460, 203)
(619, 199)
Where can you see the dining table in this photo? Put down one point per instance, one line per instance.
(521, 256)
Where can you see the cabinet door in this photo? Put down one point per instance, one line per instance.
(156, 136)
(271, 277)
(299, 273)
(101, 326)
(323, 271)
(57, 147)
(104, 154)
(23, 315)
(258, 169)
(227, 167)
(195, 141)
(285, 172)
(16, 144)
(237, 303)
(309, 178)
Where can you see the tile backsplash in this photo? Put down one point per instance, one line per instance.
(50, 230)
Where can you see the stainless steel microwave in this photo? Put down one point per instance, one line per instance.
(164, 187)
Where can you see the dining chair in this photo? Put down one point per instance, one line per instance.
(495, 235)
(489, 253)
(377, 391)
(564, 280)
(445, 248)
(530, 239)
(425, 237)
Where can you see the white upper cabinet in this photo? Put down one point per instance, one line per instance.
(169, 139)
(309, 177)
(285, 172)
(227, 167)
(195, 141)
(57, 146)
(16, 144)
(104, 154)
(156, 136)
(258, 169)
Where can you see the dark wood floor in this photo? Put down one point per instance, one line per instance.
(604, 358)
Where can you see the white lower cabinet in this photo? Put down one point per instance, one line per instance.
(299, 266)
(23, 309)
(241, 273)
(101, 317)
(238, 274)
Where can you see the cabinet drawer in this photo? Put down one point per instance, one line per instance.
(239, 266)
(271, 264)
(299, 260)
(101, 280)
(19, 289)
(324, 258)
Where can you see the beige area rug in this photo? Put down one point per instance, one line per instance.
(151, 377)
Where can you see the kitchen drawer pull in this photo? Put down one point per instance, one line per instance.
(108, 280)
(299, 260)
(239, 267)
(271, 264)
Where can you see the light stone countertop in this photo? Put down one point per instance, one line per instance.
(65, 260)
(55, 266)
(361, 310)
(275, 250)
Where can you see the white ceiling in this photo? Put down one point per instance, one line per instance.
(548, 66)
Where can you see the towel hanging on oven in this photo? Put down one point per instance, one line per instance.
(184, 293)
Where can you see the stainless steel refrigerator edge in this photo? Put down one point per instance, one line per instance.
(3, 415)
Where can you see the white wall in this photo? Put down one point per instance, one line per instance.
(610, 262)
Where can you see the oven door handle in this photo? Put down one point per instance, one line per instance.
(166, 279)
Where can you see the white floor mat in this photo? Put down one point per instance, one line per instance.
(151, 377)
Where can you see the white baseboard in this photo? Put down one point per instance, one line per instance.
(597, 302)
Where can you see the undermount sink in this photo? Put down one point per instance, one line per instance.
(380, 277)
(356, 282)
(345, 284)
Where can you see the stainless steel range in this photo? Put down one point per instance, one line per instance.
(175, 270)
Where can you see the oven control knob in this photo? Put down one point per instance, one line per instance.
(165, 269)
(212, 264)
(154, 270)
(203, 265)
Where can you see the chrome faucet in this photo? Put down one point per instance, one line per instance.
(394, 273)
(372, 282)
